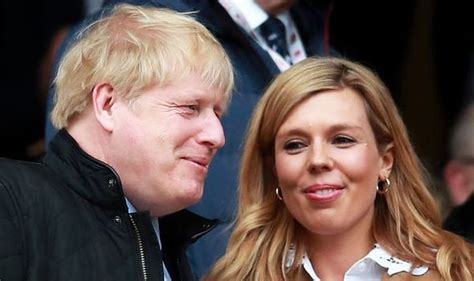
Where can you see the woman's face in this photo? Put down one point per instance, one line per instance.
(328, 164)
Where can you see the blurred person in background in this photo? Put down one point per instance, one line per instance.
(459, 175)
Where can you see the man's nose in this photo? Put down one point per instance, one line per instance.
(212, 133)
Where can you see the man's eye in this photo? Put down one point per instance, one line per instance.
(189, 109)
(192, 107)
(218, 113)
(343, 141)
(293, 146)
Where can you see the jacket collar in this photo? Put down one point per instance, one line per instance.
(177, 232)
(92, 179)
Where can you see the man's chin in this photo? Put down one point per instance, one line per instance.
(193, 195)
(183, 203)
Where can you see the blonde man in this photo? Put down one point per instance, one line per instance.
(139, 100)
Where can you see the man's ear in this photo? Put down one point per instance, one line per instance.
(387, 161)
(103, 98)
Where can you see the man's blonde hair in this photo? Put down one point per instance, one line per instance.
(133, 48)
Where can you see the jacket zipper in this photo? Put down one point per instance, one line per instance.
(140, 248)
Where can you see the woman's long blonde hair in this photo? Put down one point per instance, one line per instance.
(407, 221)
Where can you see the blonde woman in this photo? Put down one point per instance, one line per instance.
(331, 188)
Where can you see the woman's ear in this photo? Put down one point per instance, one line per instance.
(387, 159)
(103, 98)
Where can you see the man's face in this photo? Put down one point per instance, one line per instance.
(163, 143)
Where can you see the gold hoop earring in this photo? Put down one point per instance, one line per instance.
(383, 186)
(278, 193)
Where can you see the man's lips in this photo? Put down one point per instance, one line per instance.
(199, 160)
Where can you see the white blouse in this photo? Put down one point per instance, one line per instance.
(369, 268)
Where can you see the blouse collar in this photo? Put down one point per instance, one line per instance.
(373, 265)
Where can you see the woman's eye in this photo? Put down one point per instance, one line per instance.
(293, 146)
(343, 141)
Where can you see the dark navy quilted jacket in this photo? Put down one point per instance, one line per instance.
(66, 219)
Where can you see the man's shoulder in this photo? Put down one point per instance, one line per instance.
(28, 182)
(11, 165)
(23, 173)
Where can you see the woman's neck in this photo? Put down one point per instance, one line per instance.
(333, 255)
